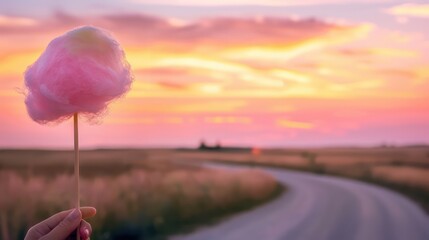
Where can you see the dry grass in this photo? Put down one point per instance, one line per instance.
(245, 156)
(405, 169)
(411, 176)
(150, 193)
(138, 194)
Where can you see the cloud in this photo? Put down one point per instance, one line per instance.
(210, 33)
(228, 120)
(59, 21)
(378, 51)
(285, 123)
(8, 21)
(252, 2)
(220, 32)
(410, 10)
(210, 57)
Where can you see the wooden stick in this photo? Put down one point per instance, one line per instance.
(76, 166)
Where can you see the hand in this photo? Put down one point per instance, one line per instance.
(63, 225)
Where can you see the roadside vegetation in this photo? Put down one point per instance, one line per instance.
(139, 194)
(403, 169)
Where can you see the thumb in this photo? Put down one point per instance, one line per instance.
(66, 226)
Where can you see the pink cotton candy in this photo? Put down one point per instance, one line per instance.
(79, 72)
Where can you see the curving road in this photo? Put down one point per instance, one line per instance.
(323, 208)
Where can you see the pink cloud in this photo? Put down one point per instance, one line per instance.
(221, 31)
(253, 2)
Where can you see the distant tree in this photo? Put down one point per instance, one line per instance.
(202, 145)
(218, 145)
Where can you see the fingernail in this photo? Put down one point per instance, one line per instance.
(85, 234)
(75, 214)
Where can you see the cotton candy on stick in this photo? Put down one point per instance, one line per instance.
(80, 72)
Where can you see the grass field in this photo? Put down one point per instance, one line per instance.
(138, 193)
(403, 169)
(152, 193)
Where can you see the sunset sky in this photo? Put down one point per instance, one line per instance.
(271, 73)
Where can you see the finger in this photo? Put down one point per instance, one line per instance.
(85, 230)
(41, 229)
(66, 226)
(88, 212)
(54, 220)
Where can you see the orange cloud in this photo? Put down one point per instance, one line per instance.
(185, 106)
(285, 123)
(228, 120)
(13, 64)
(379, 51)
(410, 10)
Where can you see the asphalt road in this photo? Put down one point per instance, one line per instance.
(323, 208)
